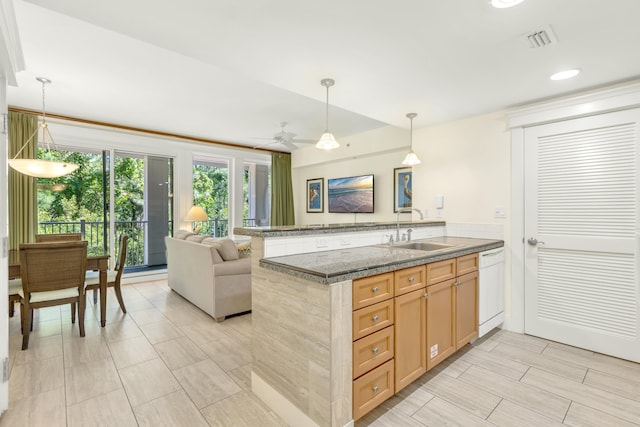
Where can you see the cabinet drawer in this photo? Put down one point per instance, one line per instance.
(372, 350)
(373, 318)
(409, 279)
(372, 389)
(371, 290)
(467, 264)
(440, 271)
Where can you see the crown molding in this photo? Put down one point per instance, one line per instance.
(11, 57)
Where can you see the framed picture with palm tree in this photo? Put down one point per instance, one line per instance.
(315, 196)
(402, 188)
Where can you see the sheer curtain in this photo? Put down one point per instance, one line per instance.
(23, 202)
(282, 212)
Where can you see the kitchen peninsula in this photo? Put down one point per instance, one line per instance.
(321, 293)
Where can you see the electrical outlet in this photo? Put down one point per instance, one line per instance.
(438, 213)
(322, 242)
(499, 212)
(344, 241)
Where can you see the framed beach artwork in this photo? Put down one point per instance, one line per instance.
(315, 195)
(402, 188)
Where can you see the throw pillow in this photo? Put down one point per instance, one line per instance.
(228, 250)
(215, 245)
(197, 238)
(183, 234)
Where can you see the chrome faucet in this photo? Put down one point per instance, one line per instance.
(398, 220)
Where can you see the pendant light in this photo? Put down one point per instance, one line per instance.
(327, 140)
(37, 167)
(411, 157)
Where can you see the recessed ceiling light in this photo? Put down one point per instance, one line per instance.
(501, 4)
(566, 74)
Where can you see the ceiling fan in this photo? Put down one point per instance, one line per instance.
(286, 139)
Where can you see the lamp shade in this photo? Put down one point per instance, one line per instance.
(411, 159)
(42, 168)
(196, 213)
(327, 142)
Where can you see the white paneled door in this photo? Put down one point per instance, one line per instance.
(582, 233)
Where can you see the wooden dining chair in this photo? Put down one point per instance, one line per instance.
(92, 278)
(52, 274)
(64, 237)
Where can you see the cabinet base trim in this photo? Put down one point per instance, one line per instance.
(490, 324)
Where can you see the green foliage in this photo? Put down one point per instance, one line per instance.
(211, 190)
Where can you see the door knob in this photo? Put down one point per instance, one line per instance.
(533, 241)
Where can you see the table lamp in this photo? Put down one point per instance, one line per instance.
(196, 214)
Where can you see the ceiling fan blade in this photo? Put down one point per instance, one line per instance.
(304, 141)
(289, 145)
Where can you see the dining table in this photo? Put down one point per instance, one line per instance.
(98, 263)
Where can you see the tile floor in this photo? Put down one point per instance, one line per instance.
(167, 363)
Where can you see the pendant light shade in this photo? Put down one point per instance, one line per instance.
(40, 168)
(327, 140)
(411, 158)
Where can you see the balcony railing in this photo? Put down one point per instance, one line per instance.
(94, 231)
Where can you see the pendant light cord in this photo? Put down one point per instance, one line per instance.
(327, 115)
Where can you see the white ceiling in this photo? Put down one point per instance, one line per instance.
(233, 70)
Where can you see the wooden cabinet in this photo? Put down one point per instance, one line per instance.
(466, 295)
(452, 306)
(409, 279)
(373, 318)
(411, 337)
(373, 350)
(372, 389)
(371, 290)
(440, 322)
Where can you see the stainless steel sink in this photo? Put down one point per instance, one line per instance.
(422, 246)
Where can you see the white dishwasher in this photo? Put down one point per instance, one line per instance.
(491, 290)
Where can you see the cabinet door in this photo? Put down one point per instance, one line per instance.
(466, 295)
(440, 322)
(466, 264)
(411, 337)
(441, 271)
(409, 279)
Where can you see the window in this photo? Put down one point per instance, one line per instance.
(211, 192)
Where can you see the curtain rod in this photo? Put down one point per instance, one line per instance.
(141, 130)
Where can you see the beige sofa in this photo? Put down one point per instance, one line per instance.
(210, 273)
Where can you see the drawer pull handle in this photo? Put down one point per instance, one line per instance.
(375, 389)
(411, 279)
(375, 350)
(376, 318)
(375, 290)
(425, 295)
(456, 284)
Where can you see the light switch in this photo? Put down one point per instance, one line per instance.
(500, 212)
(438, 201)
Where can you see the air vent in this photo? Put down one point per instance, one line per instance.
(541, 38)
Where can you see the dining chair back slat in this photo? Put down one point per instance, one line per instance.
(64, 237)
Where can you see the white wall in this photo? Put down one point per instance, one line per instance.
(375, 152)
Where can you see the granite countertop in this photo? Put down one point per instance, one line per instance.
(301, 230)
(353, 263)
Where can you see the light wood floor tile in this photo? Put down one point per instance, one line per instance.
(628, 387)
(135, 304)
(525, 395)
(149, 315)
(132, 351)
(202, 332)
(91, 328)
(227, 352)
(383, 417)
(496, 363)
(206, 383)
(147, 381)
(463, 394)
(583, 416)
(409, 399)
(570, 349)
(609, 365)
(174, 409)
(160, 331)
(555, 366)
(240, 410)
(584, 394)
(121, 330)
(526, 342)
(36, 377)
(242, 376)
(40, 348)
(85, 350)
(439, 412)
(184, 316)
(113, 314)
(43, 409)
(509, 414)
(179, 352)
(111, 409)
(48, 328)
(89, 380)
